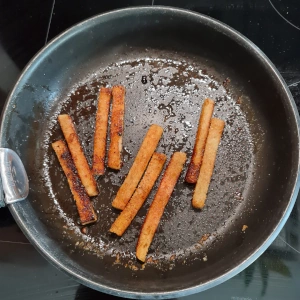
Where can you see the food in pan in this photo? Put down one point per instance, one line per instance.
(203, 127)
(77, 153)
(140, 195)
(116, 127)
(244, 228)
(85, 208)
(101, 131)
(157, 207)
(208, 162)
(144, 171)
(138, 167)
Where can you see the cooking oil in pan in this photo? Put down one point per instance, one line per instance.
(169, 93)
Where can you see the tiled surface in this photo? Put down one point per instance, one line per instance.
(271, 24)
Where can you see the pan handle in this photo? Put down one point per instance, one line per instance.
(14, 184)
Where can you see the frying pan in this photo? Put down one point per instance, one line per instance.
(169, 60)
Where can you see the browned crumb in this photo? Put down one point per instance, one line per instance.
(88, 246)
(173, 257)
(84, 230)
(133, 268)
(226, 82)
(197, 246)
(213, 85)
(239, 100)
(238, 196)
(117, 261)
(244, 228)
(204, 238)
(150, 259)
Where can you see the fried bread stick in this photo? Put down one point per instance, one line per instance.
(84, 206)
(208, 163)
(202, 132)
(138, 167)
(101, 131)
(116, 127)
(77, 153)
(159, 203)
(140, 195)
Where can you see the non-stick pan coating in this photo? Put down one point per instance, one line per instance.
(172, 98)
(184, 61)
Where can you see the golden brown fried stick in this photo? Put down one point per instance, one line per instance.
(207, 167)
(202, 132)
(140, 195)
(138, 167)
(116, 127)
(84, 206)
(77, 153)
(101, 131)
(159, 203)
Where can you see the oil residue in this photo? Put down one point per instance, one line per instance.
(172, 98)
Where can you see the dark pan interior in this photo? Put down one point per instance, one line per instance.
(185, 59)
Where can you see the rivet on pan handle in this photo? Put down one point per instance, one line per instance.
(14, 185)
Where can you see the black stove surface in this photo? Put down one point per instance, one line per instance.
(26, 26)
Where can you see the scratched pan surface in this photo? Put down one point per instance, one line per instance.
(169, 61)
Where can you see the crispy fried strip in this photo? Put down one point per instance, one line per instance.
(140, 195)
(101, 131)
(203, 127)
(206, 171)
(157, 207)
(84, 206)
(77, 153)
(138, 167)
(116, 127)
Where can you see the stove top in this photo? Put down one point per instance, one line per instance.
(26, 26)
